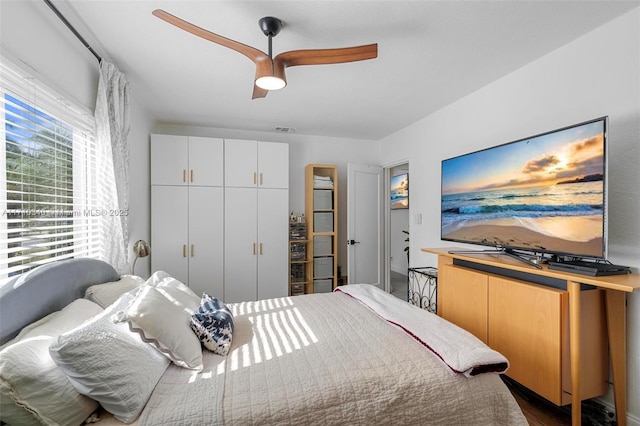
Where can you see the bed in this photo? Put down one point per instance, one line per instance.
(357, 356)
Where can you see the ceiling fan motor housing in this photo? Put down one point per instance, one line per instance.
(270, 26)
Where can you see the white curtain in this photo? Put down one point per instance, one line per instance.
(112, 122)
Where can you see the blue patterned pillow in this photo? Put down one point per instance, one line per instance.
(213, 324)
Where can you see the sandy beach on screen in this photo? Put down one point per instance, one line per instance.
(400, 204)
(557, 234)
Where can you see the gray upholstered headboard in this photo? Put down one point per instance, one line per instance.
(48, 288)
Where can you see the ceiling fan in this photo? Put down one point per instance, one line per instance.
(270, 70)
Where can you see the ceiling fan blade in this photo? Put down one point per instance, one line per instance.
(258, 92)
(327, 56)
(250, 52)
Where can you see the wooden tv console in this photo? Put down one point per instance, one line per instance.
(553, 326)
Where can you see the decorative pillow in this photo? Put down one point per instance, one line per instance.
(33, 390)
(174, 290)
(165, 325)
(107, 293)
(109, 363)
(213, 324)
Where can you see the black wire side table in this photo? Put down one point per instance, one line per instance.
(423, 287)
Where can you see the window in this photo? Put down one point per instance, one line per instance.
(48, 187)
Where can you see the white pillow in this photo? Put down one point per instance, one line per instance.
(33, 390)
(56, 323)
(174, 290)
(165, 325)
(107, 293)
(109, 363)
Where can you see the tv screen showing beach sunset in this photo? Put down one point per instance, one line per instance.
(400, 191)
(543, 194)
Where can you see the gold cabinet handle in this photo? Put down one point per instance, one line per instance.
(191, 176)
(192, 250)
(254, 177)
(184, 250)
(184, 175)
(260, 179)
(254, 248)
(260, 249)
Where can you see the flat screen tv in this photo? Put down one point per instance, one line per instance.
(544, 194)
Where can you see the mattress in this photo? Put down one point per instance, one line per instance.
(325, 359)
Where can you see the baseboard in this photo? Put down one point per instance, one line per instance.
(633, 420)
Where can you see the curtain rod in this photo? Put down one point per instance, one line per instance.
(73, 30)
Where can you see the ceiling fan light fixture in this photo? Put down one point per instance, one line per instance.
(269, 82)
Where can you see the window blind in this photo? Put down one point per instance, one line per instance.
(48, 184)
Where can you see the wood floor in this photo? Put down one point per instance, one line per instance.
(539, 412)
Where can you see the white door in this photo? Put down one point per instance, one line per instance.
(206, 240)
(170, 231)
(169, 160)
(273, 165)
(206, 161)
(273, 243)
(240, 163)
(365, 225)
(240, 244)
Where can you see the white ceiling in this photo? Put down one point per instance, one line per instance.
(430, 54)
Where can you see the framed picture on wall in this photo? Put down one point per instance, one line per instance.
(400, 191)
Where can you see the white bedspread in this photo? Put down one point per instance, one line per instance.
(460, 350)
(325, 359)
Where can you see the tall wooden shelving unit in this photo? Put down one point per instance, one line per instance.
(321, 212)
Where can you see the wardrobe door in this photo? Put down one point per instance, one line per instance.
(206, 240)
(206, 161)
(169, 160)
(273, 243)
(241, 163)
(170, 230)
(240, 244)
(273, 165)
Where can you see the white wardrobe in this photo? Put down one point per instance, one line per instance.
(219, 215)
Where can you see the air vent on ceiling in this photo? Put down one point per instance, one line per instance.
(283, 129)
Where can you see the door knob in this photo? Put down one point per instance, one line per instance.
(352, 242)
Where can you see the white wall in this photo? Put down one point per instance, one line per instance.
(595, 75)
(31, 32)
(139, 183)
(303, 150)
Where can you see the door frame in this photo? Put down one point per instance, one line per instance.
(386, 172)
